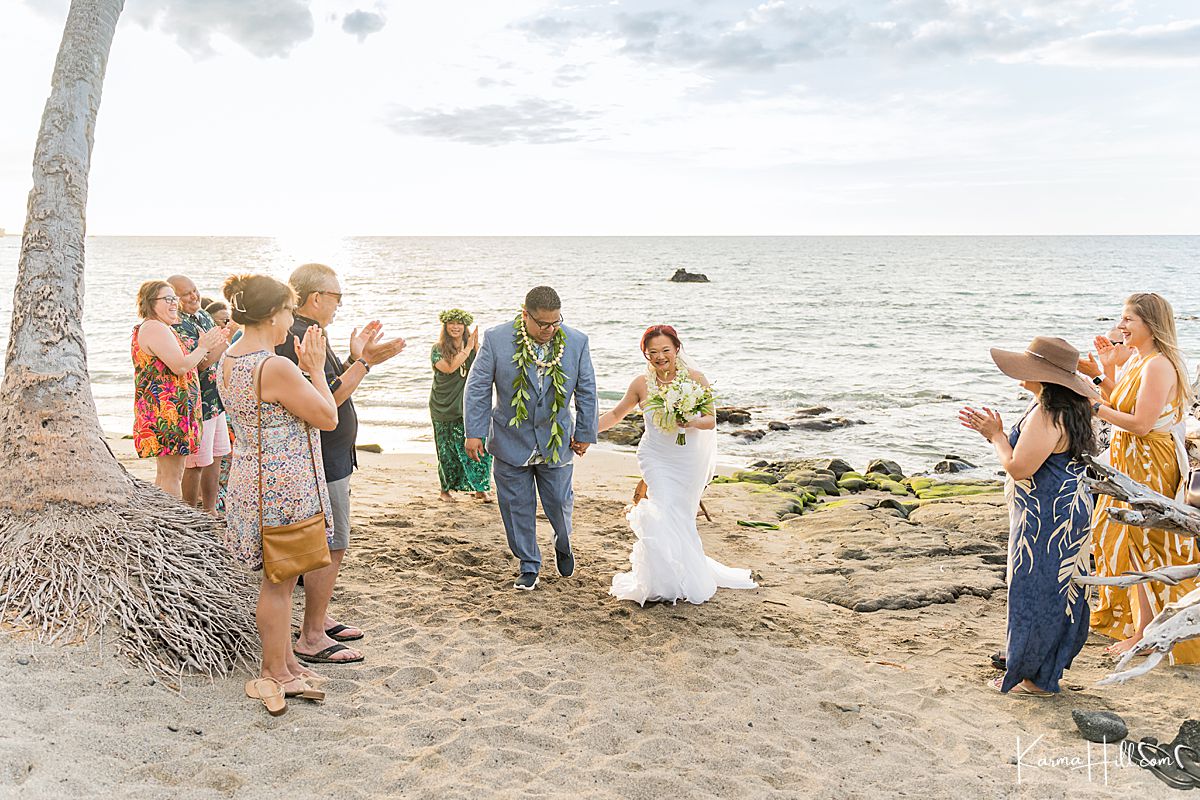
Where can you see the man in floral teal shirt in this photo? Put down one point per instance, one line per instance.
(202, 473)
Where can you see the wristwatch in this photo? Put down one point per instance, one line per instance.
(359, 360)
(1096, 407)
(1099, 379)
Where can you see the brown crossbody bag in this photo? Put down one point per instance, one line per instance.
(300, 547)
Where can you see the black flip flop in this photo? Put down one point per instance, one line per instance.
(323, 657)
(999, 661)
(333, 632)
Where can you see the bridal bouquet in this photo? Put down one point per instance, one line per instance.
(677, 402)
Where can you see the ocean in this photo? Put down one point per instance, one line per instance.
(890, 331)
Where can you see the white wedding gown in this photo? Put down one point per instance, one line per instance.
(668, 559)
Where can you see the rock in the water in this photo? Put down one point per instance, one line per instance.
(683, 276)
(733, 415)
(839, 467)
(627, 432)
(885, 466)
(1100, 726)
(369, 448)
(775, 425)
(749, 434)
(812, 411)
(826, 423)
(951, 464)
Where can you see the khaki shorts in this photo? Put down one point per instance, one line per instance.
(212, 444)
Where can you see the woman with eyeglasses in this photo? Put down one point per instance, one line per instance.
(166, 387)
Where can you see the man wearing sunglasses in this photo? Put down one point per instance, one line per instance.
(319, 296)
(527, 464)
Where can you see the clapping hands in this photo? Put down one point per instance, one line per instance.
(310, 353)
(368, 344)
(986, 422)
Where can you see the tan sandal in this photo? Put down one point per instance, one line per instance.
(308, 691)
(270, 692)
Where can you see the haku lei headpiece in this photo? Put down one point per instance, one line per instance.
(456, 315)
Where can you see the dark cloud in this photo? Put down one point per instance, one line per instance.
(531, 121)
(363, 23)
(264, 27)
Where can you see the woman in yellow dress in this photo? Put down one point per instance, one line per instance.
(1146, 409)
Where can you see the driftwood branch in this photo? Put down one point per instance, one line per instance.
(1148, 509)
(1168, 575)
(1178, 621)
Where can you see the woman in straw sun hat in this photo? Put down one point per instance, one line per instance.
(1050, 512)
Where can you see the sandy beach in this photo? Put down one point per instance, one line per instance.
(473, 690)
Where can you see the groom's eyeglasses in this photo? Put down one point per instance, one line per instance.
(546, 325)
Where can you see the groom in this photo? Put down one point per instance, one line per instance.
(536, 365)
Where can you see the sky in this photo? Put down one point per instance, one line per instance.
(629, 117)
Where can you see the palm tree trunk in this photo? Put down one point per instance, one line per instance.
(84, 546)
(51, 445)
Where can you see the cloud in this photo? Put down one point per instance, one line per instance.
(363, 23)
(530, 121)
(264, 27)
(754, 37)
(1171, 43)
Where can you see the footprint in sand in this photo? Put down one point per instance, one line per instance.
(410, 678)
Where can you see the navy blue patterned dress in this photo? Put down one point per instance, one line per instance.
(1049, 533)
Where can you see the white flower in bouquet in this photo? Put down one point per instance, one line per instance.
(681, 400)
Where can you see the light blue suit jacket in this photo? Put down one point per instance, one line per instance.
(494, 368)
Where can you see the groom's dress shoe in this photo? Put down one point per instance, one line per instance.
(527, 581)
(565, 563)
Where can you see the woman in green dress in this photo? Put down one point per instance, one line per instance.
(452, 357)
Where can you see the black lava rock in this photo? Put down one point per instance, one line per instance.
(1100, 726)
(683, 276)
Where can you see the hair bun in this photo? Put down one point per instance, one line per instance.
(234, 284)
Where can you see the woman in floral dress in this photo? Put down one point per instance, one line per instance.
(166, 388)
(293, 410)
(452, 358)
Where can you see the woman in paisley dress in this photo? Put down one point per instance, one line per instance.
(452, 358)
(1145, 405)
(166, 394)
(1050, 511)
(293, 411)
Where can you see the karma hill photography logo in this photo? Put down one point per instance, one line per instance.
(1177, 765)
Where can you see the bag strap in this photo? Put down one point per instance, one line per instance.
(312, 456)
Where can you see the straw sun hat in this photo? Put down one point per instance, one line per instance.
(1048, 359)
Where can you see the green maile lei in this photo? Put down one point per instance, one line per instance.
(521, 390)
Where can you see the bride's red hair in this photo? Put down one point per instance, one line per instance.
(660, 330)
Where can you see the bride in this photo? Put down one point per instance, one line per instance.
(668, 559)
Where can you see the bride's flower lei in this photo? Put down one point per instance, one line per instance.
(525, 356)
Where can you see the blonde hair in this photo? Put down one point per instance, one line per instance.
(147, 296)
(1154, 310)
(309, 279)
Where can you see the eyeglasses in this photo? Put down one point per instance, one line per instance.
(335, 295)
(171, 299)
(558, 323)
